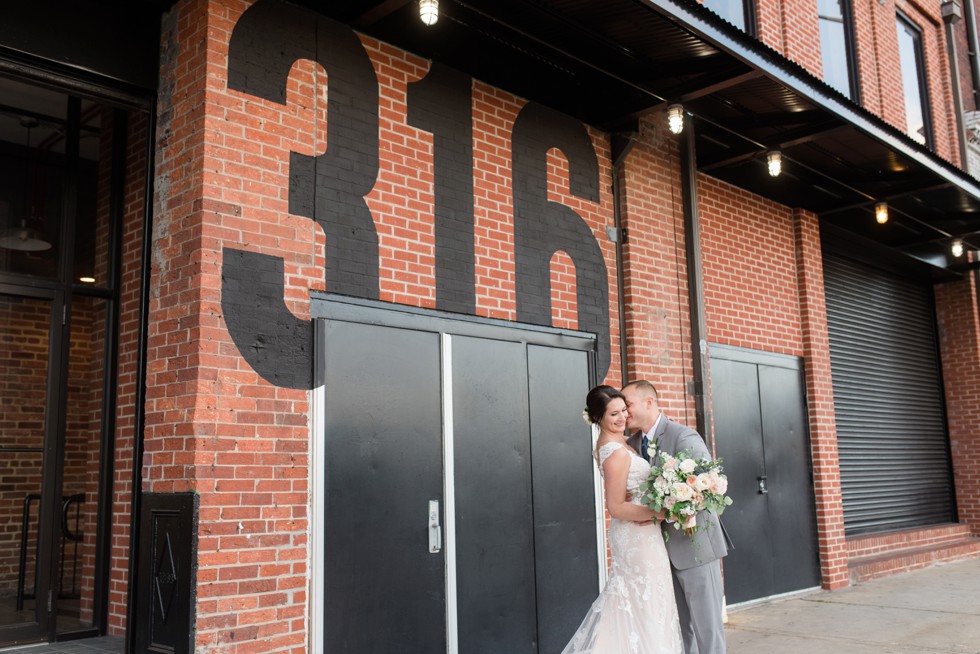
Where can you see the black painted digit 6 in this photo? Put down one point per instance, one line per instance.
(542, 227)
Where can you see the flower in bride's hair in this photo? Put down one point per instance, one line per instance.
(585, 417)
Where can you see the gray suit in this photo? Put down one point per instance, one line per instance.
(695, 561)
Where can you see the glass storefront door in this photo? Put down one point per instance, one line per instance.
(26, 330)
(62, 174)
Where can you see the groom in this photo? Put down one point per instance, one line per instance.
(696, 566)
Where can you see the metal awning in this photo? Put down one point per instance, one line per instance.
(608, 62)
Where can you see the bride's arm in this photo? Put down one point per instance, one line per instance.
(615, 471)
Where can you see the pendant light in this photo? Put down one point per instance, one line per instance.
(27, 235)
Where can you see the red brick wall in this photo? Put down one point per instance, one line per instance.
(791, 28)
(213, 425)
(820, 400)
(655, 271)
(958, 315)
(750, 292)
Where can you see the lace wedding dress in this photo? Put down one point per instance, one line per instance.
(635, 613)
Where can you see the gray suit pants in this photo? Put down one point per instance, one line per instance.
(698, 592)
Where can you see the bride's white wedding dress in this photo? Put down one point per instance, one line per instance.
(635, 613)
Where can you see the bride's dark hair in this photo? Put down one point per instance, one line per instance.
(597, 400)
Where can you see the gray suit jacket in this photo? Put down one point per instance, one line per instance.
(710, 542)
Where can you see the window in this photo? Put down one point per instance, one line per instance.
(836, 47)
(740, 13)
(914, 82)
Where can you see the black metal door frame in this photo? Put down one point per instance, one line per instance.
(326, 307)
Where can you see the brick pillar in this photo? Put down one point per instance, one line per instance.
(214, 426)
(959, 343)
(820, 401)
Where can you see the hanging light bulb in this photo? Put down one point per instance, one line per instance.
(27, 235)
(675, 118)
(774, 159)
(957, 248)
(881, 212)
(429, 11)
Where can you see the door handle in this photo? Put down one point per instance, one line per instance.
(763, 488)
(435, 529)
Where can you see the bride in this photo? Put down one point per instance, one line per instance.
(635, 612)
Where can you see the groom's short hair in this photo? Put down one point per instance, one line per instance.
(645, 386)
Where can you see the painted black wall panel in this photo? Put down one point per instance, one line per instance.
(167, 582)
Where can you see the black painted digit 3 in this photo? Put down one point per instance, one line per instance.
(330, 188)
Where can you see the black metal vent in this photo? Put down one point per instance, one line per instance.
(888, 399)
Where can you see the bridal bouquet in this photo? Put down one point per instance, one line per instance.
(682, 485)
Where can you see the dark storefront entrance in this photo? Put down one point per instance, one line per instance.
(458, 505)
(62, 169)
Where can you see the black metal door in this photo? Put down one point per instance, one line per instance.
(384, 591)
(760, 427)
(525, 508)
(484, 418)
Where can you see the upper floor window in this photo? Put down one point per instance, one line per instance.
(836, 49)
(914, 82)
(740, 13)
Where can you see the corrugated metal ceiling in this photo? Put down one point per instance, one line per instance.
(609, 62)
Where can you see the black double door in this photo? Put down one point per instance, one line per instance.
(459, 510)
(761, 433)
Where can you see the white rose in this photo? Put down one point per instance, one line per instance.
(720, 486)
(683, 492)
(702, 482)
(687, 466)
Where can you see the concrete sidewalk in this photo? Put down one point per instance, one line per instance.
(932, 610)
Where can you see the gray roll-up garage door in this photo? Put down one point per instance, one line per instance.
(888, 398)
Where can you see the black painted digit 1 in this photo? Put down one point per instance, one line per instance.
(441, 103)
(269, 37)
(542, 227)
